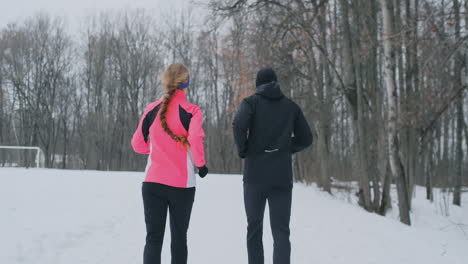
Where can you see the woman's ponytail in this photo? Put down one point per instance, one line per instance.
(174, 75)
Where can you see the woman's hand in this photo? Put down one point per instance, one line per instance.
(203, 171)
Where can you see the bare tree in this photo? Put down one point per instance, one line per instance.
(396, 165)
(459, 109)
(86, 92)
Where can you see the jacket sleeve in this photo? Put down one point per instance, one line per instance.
(240, 127)
(302, 135)
(195, 138)
(139, 144)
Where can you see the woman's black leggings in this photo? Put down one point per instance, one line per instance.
(157, 199)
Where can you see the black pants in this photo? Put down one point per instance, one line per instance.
(279, 202)
(157, 199)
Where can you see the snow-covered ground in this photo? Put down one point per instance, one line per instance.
(70, 217)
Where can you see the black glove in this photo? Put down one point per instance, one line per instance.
(203, 171)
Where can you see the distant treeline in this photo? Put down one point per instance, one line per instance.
(79, 96)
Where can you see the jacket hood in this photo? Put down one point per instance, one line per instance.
(270, 90)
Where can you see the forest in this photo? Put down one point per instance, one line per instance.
(383, 84)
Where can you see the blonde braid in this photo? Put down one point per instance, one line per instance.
(164, 106)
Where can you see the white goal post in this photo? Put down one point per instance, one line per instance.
(38, 150)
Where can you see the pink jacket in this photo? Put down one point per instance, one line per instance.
(169, 162)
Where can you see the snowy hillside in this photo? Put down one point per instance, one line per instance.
(71, 217)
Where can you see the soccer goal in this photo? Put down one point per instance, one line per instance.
(21, 156)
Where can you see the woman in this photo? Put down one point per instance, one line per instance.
(171, 132)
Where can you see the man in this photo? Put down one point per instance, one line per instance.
(268, 129)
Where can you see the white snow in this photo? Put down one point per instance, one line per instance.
(70, 217)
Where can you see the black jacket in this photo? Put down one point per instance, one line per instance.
(268, 129)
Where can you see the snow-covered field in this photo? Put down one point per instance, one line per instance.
(70, 217)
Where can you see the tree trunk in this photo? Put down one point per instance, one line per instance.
(459, 112)
(386, 201)
(354, 96)
(396, 165)
(429, 161)
(323, 94)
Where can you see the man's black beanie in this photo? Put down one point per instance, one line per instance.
(265, 75)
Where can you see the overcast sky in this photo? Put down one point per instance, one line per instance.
(73, 10)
